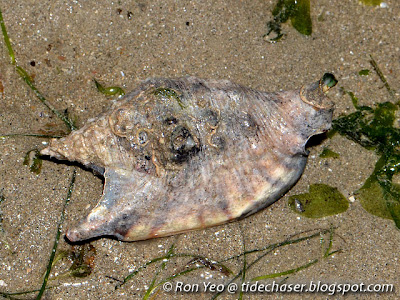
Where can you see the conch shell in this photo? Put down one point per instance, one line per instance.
(183, 154)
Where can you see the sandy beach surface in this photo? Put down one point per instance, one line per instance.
(64, 45)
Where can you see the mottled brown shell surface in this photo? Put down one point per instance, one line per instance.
(182, 154)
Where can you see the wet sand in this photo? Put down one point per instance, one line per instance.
(120, 43)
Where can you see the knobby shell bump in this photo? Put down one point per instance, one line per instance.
(187, 153)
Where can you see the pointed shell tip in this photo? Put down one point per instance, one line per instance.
(74, 235)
